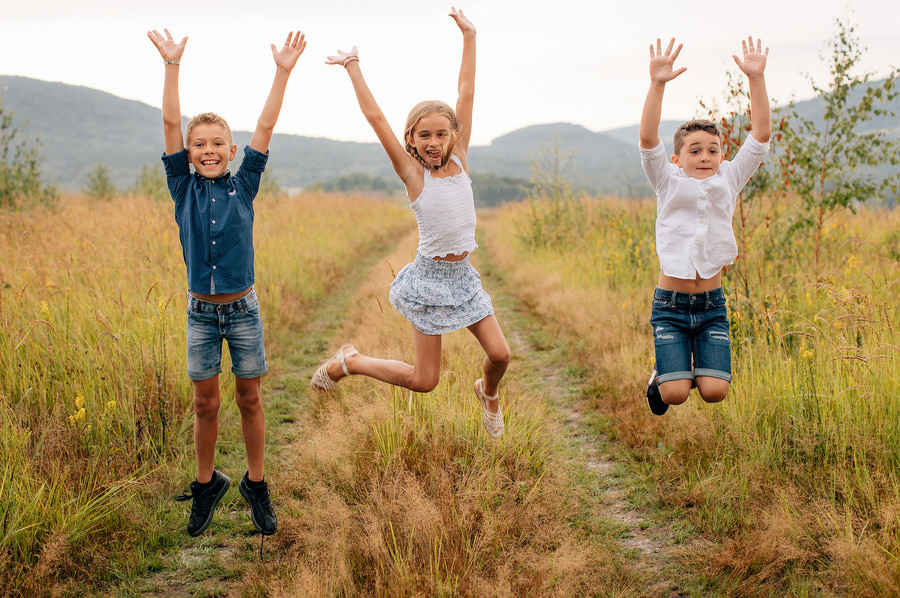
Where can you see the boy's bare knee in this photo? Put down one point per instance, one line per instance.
(712, 390)
(675, 392)
(250, 400)
(206, 405)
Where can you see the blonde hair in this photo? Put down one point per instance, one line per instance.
(207, 118)
(420, 111)
(690, 126)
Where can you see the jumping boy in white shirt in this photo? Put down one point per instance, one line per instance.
(696, 195)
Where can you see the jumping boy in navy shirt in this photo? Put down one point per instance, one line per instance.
(214, 212)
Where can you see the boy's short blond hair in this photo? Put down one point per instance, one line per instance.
(691, 126)
(207, 118)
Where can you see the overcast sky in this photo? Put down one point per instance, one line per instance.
(579, 61)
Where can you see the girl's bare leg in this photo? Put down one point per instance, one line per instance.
(422, 376)
(496, 360)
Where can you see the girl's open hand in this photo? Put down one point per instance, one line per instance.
(343, 58)
(661, 64)
(293, 47)
(168, 49)
(464, 24)
(754, 63)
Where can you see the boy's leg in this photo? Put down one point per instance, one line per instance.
(712, 350)
(248, 395)
(672, 348)
(206, 425)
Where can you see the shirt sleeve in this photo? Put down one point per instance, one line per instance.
(656, 166)
(249, 174)
(178, 173)
(745, 163)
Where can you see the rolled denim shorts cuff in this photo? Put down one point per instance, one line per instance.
(251, 374)
(683, 375)
(204, 375)
(713, 374)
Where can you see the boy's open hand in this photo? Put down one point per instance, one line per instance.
(464, 24)
(343, 58)
(294, 45)
(661, 65)
(168, 49)
(754, 63)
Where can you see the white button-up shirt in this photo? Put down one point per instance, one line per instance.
(693, 217)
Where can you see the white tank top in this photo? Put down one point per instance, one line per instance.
(445, 213)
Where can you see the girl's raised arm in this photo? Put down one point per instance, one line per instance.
(466, 84)
(404, 165)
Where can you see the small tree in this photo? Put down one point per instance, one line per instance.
(151, 182)
(99, 184)
(827, 159)
(21, 181)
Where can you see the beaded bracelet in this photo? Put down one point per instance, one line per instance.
(173, 62)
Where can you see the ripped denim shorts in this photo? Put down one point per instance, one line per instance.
(690, 335)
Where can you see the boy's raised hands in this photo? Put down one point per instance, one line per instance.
(168, 49)
(754, 63)
(294, 45)
(661, 64)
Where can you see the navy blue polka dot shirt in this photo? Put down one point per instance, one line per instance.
(215, 222)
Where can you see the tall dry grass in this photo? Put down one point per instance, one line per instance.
(795, 476)
(392, 494)
(95, 405)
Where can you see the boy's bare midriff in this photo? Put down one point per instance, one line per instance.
(452, 257)
(222, 297)
(682, 285)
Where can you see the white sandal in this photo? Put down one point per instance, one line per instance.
(321, 381)
(493, 422)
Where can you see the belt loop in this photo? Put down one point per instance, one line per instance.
(674, 297)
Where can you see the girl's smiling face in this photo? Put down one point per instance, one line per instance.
(431, 139)
(700, 156)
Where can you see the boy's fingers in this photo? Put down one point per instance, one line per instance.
(677, 51)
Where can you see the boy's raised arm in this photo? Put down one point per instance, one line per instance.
(171, 107)
(466, 84)
(754, 66)
(285, 59)
(661, 72)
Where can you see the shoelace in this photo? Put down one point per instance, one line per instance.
(262, 497)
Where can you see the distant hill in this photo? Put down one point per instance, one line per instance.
(79, 127)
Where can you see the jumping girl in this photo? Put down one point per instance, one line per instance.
(440, 291)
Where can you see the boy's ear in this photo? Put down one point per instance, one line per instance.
(232, 153)
(675, 160)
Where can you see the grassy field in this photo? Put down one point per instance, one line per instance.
(787, 488)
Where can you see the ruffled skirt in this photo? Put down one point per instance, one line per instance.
(439, 297)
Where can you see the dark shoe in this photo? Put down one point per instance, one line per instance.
(257, 496)
(654, 399)
(205, 501)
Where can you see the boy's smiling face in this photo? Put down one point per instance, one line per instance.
(700, 156)
(210, 149)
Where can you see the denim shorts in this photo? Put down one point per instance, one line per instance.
(238, 322)
(437, 296)
(690, 335)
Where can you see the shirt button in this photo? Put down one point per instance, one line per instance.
(214, 200)
(213, 221)
(214, 267)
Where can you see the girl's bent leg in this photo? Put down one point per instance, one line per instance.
(422, 376)
(206, 425)
(496, 359)
(248, 395)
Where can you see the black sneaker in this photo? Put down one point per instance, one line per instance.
(205, 501)
(257, 496)
(654, 399)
